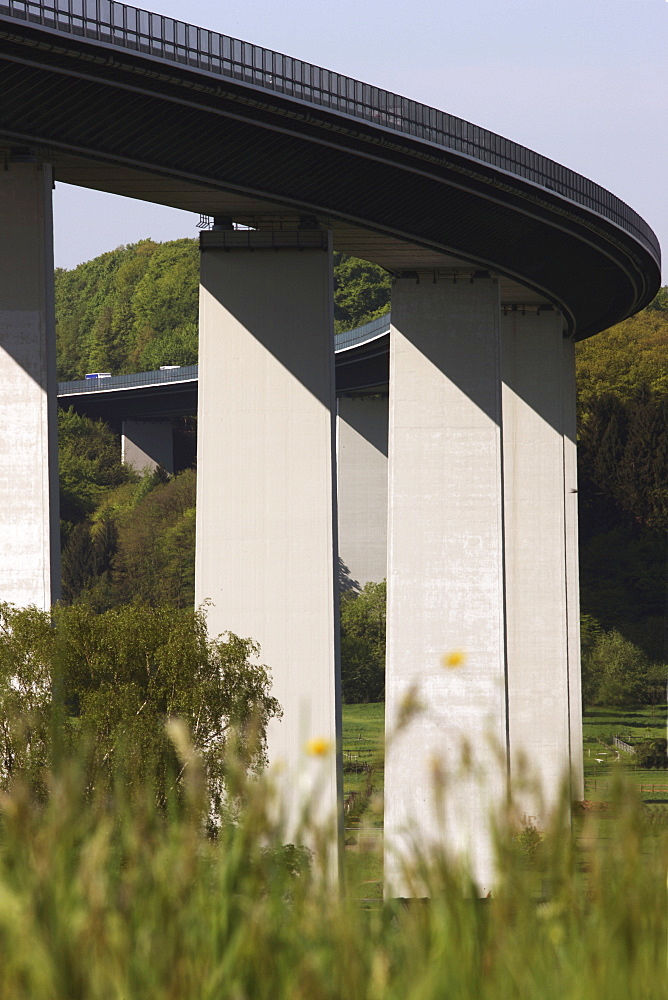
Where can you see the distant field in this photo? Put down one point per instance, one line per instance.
(364, 728)
(603, 763)
(363, 746)
(364, 725)
(363, 759)
(630, 724)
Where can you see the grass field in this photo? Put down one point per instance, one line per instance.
(363, 748)
(630, 724)
(364, 728)
(363, 735)
(603, 762)
(114, 894)
(363, 760)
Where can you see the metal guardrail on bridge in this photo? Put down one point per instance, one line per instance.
(189, 373)
(155, 36)
(186, 373)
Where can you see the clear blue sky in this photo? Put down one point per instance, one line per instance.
(585, 83)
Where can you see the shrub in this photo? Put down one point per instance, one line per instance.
(105, 684)
(363, 618)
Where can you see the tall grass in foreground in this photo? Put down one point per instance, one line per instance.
(108, 897)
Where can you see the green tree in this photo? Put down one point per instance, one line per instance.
(660, 302)
(119, 677)
(363, 627)
(139, 544)
(166, 299)
(109, 310)
(632, 353)
(87, 558)
(155, 557)
(177, 347)
(95, 314)
(615, 671)
(590, 634)
(361, 292)
(89, 464)
(26, 644)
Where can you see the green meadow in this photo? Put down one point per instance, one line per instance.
(109, 891)
(113, 895)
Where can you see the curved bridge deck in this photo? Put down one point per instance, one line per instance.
(155, 108)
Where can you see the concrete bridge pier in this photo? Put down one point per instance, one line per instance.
(29, 507)
(146, 444)
(362, 488)
(483, 615)
(266, 512)
(445, 771)
(572, 569)
(540, 519)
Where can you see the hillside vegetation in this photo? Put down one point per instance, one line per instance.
(623, 507)
(135, 308)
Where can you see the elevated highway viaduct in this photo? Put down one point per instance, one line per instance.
(502, 259)
(144, 409)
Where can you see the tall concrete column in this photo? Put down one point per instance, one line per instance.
(572, 571)
(146, 444)
(29, 517)
(362, 488)
(536, 567)
(266, 518)
(445, 576)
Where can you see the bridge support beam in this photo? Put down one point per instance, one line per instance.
(29, 521)
(445, 577)
(146, 444)
(266, 513)
(362, 489)
(540, 518)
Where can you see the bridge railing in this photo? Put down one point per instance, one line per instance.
(186, 373)
(189, 373)
(361, 334)
(154, 35)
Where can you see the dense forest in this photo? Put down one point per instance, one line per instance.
(135, 308)
(623, 507)
(128, 537)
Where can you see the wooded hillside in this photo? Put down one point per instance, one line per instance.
(135, 308)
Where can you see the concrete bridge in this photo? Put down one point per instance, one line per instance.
(502, 259)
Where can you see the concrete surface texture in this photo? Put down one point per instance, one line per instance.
(146, 444)
(572, 570)
(266, 518)
(535, 557)
(445, 645)
(29, 509)
(362, 488)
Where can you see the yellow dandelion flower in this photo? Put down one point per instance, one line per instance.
(455, 658)
(318, 746)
